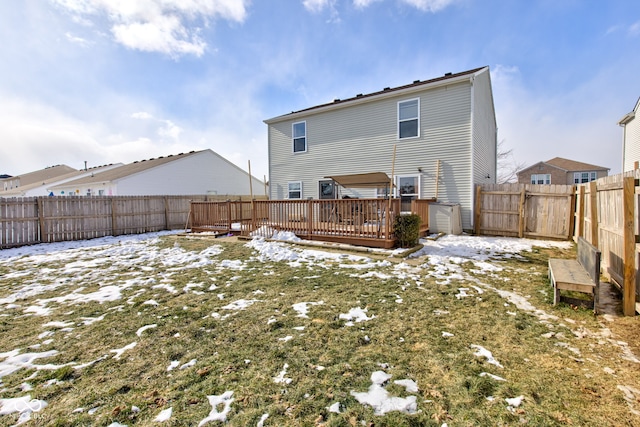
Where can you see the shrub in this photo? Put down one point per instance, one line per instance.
(407, 230)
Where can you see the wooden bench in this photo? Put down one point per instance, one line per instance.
(578, 275)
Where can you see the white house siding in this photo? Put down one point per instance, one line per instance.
(201, 173)
(484, 142)
(631, 143)
(360, 139)
(484, 131)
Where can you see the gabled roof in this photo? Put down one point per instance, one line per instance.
(448, 78)
(42, 175)
(572, 165)
(128, 169)
(630, 116)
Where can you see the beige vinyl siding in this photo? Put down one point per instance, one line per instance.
(484, 131)
(360, 139)
(631, 143)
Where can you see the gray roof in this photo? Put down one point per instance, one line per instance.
(127, 170)
(388, 90)
(42, 175)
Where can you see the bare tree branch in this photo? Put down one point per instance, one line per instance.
(508, 168)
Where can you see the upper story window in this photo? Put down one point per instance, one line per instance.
(294, 190)
(541, 178)
(299, 137)
(408, 118)
(582, 177)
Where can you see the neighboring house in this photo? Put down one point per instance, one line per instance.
(444, 131)
(40, 188)
(561, 171)
(36, 177)
(631, 139)
(196, 172)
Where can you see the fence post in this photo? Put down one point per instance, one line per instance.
(166, 213)
(523, 199)
(629, 288)
(41, 221)
(593, 199)
(580, 208)
(571, 212)
(476, 222)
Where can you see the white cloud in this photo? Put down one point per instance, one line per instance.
(317, 5)
(170, 130)
(634, 29)
(430, 5)
(142, 115)
(164, 26)
(361, 4)
(77, 40)
(165, 35)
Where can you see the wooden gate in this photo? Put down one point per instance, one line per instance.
(524, 210)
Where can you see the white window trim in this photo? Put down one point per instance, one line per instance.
(396, 190)
(537, 175)
(398, 119)
(577, 177)
(289, 190)
(293, 138)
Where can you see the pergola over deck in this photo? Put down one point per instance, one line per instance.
(362, 180)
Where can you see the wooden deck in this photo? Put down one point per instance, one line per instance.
(360, 222)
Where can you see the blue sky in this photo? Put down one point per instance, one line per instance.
(106, 81)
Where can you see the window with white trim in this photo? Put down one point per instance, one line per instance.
(408, 189)
(299, 132)
(582, 177)
(294, 190)
(409, 118)
(541, 178)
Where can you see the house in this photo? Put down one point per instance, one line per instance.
(35, 177)
(443, 130)
(40, 188)
(630, 139)
(561, 171)
(196, 172)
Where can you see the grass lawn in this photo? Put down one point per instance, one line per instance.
(186, 331)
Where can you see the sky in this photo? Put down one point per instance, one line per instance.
(109, 81)
(443, 259)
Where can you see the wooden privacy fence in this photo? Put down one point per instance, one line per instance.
(606, 215)
(355, 221)
(605, 212)
(524, 210)
(32, 220)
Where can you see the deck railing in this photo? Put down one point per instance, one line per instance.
(359, 221)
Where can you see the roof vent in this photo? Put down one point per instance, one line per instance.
(416, 81)
(336, 100)
(387, 88)
(447, 74)
(358, 95)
